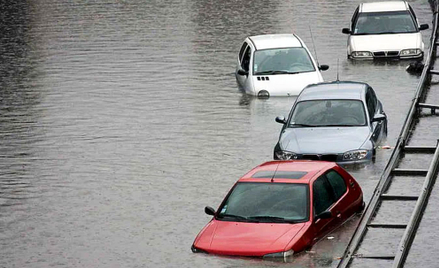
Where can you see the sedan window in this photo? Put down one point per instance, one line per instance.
(371, 102)
(337, 182)
(319, 113)
(323, 195)
(282, 61)
(385, 23)
(268, 202)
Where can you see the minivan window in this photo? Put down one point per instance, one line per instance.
(241, 51)
(282, 61)
(245, 64)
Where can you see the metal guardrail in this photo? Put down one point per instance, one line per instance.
(391, 170)
(410, 231)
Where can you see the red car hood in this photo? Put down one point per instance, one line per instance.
(245, 238)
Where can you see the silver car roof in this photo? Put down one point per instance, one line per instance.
(334, 90)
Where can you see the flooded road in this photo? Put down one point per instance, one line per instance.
(120, 120)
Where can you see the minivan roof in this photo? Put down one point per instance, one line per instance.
(268, 41)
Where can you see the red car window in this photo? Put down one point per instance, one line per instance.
(323, 195)
(337, 182)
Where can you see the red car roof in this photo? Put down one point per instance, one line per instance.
(294, 171)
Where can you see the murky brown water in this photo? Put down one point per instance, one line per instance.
(120, 120)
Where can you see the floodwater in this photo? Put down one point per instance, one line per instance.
(120, 120)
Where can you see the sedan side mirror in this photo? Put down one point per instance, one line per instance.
(209, 211)
(281, 119)
(324, 215)
(423, 27)
(242, 72)
(346, 31)
(323, 67)
(379, 117)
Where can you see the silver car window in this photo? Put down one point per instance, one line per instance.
(318, 113)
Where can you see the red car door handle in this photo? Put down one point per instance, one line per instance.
(338, 215)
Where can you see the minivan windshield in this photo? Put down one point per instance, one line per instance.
(320, 113)
(384, 23)
(266, 202)
(282, 61)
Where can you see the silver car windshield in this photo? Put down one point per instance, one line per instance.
(282, 61)
(266, 202)
(319, 113)
(385, 23)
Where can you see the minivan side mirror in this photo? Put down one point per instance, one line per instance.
(281, 119)
(423, 27)
(324, 215)
(379, 117)
(242, 72)
(323, 67)
(346, 31)
(209, 211)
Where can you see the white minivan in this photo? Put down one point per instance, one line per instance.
(276, 65)
(385, 30)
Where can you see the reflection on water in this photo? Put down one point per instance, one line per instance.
(120, 120)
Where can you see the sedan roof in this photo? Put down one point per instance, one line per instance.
(268, 41)
(281, 171)
(383, 6)
(345, 90)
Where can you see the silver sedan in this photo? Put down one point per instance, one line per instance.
(337, 121)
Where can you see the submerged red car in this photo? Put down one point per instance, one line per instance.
(279, 208)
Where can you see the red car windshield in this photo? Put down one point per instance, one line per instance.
(266, 202)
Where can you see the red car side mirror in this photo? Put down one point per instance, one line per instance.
(324, 215)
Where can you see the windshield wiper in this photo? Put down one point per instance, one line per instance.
(342, 125)
(273, 218)
(378, 33)
(275, 72)
(242, 218)
(389, 32)
(337, 125)
(304, 125)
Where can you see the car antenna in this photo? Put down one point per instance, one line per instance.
(274, 174)
(314, 45)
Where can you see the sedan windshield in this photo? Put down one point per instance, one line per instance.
(282, 61)
(266, 202)
(319, 113)
(385, 23)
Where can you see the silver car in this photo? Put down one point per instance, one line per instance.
(336, 121)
